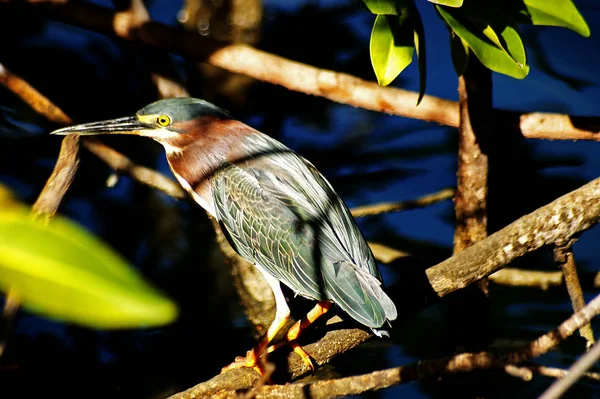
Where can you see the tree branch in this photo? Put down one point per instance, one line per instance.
(335, 86)
(388, 207)
(577, 371)
(554, 223)
(564, 256)
(465, 362)
(539, 279)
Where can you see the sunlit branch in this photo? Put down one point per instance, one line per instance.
(462, 363)
(335, 86)
(554, 223)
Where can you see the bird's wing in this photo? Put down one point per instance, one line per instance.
(282, 215)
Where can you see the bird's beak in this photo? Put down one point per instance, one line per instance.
(126, 125)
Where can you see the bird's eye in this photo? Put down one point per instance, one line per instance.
(163, 120)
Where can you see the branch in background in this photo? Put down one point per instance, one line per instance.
(576, 372)
(32, 97)
(465, 362)
(126, 21)
(387, 207)
(120, 163)
(539, 279)
(564, 256)
(335, 86)
(468, 310)
(554, 223)
(559, 373)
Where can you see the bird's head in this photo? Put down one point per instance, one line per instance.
(173, 122)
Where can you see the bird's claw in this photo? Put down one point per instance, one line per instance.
(249, 361)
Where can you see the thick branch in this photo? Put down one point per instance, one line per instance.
(554, 223)
(338, 87)
(464, 362)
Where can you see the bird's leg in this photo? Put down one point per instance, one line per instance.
(294, 332)
(282, 314)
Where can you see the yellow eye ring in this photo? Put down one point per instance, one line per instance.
(163, 120)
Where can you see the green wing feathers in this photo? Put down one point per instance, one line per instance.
(282, 215)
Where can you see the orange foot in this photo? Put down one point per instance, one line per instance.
(250, 361)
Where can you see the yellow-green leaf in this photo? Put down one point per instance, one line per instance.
(449, 3)
(508, 41)
(493, 57)
(391, 47)
(381, 7)
(60, 271)
(555, 13)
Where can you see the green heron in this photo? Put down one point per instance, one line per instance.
(275, 208)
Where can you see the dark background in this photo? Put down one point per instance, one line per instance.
(367, 156)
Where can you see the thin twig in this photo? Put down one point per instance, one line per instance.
(555, 372)
(559, 387)
(387, 207)
(564, 256)
(120, 163)
(335, 86)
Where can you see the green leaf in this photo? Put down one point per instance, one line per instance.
(449, 3)
(60, 271)
(561, 13)
(508, 41)
(381, 7)
(504, 60)
(459, 50)
(391, 47)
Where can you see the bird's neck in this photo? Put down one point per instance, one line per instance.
(195, 157)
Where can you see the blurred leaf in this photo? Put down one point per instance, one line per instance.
(496, 58)
(459, 51)
(391, 47)
(449, 3)
(60, 271)
(561, 13)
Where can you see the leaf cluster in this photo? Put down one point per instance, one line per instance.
(487, 29)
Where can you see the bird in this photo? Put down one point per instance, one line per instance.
(275, 208)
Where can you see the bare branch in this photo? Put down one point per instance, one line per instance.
(564, 256)
(465, 362)
(32, 97)
(559, 373)
(387, 207)
(554, 223)
(121, 163)
(335, 86)
(559, 387)
(68, 160)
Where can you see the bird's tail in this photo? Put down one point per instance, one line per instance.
(362, 296)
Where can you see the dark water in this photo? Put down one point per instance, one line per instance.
(368, 157)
